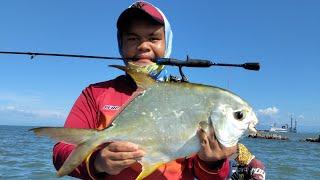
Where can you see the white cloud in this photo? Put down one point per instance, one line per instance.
(19, 98)
(31, 108)
(28, 105)
(33, 113)
(270, 111)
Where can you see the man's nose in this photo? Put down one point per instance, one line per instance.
(144, 46)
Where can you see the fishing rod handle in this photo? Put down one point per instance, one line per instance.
(187, 63)
(251, 66)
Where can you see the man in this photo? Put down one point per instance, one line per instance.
(143, 35)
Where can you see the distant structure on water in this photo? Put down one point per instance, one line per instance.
(293, 130)
(276, 132)
(268, 135)
(285, 128)
(313, 139)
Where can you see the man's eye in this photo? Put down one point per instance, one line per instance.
(154, 39)
(239, 115)
(132, 39)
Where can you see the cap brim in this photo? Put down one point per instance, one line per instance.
(130, 13)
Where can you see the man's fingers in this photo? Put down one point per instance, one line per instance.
(117, 156)
(208, 139)
(211, 150)
(212, 134)
(124, 163)
(205, 150)
(115, 167)
(122, 146)
(203, 137)
(231, 150)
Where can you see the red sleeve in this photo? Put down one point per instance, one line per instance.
(203, 171)
(84, 111)
(257, 170)
(82, 115)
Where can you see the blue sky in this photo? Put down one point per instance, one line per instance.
(282, 35)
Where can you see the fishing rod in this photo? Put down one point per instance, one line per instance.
(161, 61)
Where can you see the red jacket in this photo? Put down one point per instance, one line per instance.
(95, 108)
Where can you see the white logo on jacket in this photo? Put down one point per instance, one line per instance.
(111, 107)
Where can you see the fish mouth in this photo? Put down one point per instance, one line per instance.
(252, 130)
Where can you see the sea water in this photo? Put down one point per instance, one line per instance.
(25, 156)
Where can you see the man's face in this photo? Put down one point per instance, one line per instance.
(143, 41)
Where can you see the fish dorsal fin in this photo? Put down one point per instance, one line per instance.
(142, 79)
(148, 169)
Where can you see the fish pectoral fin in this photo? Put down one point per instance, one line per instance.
(148, 169)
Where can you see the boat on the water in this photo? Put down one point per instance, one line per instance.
(283, 129)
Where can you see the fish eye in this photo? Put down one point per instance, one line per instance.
(239, 115)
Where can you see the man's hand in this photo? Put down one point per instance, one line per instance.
(117, 156)
(211, 150)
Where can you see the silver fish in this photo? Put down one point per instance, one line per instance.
(163, 119)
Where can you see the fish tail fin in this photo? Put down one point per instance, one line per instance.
(147, 169)
(86, 141)
(67, 135)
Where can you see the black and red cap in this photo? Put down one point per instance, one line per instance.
(139, 8)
